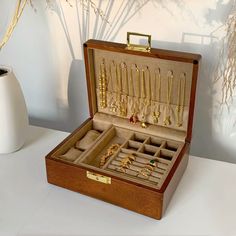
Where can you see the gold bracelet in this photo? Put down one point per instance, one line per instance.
(110, 151)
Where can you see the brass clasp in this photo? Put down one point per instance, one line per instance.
(99, 178)
(137, 47)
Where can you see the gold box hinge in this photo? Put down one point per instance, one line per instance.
(99, 178)
(138, 47)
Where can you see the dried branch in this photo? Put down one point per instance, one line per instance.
(18, 12)
(21, 5)
(226, 69)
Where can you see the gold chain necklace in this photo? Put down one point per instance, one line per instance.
(134, 107)
(125, 89)
(103, 85)
(167, 120)
(118, 88)
(157, 86)
(145, 95)
(181, 99)
(112, 106)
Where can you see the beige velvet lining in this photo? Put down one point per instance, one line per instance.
(66, 151)
(88, 140)
(95, 58)
(72, 154)
(154, 130)
(113, 136)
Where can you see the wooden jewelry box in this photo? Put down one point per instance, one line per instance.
(134, 148)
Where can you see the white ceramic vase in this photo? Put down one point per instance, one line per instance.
(13, 113)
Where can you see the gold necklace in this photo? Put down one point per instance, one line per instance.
(181, 99)
(134, 107)
(103, 85)
(124, 90)
(167, 120)
(112, 106)
(118, 88)
(145, 95)
(157, 86)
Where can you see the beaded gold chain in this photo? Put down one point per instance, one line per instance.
(118, 88)
(124, 89)
(112, 103)
(103, 85)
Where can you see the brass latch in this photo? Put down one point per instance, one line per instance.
(98, 177)
(138, 47)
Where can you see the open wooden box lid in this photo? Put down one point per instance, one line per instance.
(170, 77)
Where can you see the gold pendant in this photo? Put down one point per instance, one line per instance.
(133, 119)
(143, 122)
(179, 124)
(178, 111)
(156, 116)
(167, 121)
(143, 125)
(113, 107)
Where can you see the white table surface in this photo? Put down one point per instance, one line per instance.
(203, 204)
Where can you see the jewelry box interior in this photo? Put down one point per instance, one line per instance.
(140, 109)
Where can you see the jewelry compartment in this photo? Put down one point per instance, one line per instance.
(159, 159)
(115, 137)
(80, 143)
(117, 144)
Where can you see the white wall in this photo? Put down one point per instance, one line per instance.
(45, 52)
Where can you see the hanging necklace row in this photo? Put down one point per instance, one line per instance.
(139, 92)
(119, 93)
